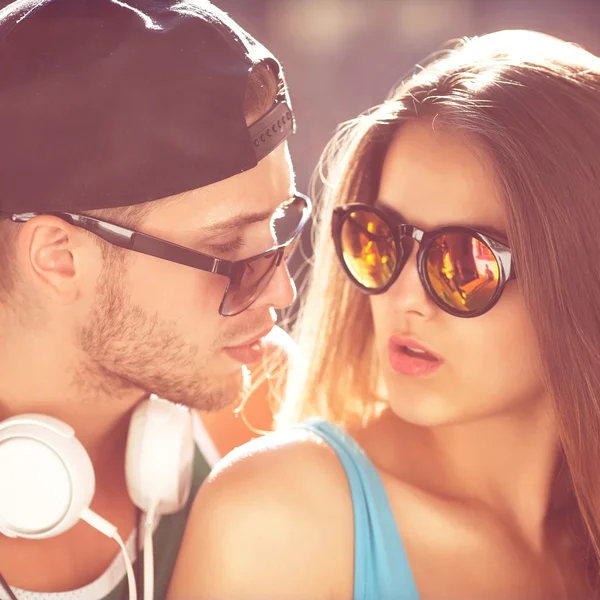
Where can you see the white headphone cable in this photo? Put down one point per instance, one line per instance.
(109, 530)
(149, 553)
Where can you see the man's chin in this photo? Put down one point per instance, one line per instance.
(231, 391)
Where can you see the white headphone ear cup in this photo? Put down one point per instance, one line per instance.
(46, 477)
(159, 456)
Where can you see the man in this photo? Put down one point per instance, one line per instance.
(143, 159)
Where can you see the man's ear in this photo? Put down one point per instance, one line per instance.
(48, 249)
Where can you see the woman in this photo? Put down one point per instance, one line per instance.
(457, 349)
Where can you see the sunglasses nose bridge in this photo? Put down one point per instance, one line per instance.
(410, 231)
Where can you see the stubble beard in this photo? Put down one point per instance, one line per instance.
(127, 349)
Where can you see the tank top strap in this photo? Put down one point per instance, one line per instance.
(381, 567)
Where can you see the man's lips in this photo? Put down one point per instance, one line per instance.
(250, 351)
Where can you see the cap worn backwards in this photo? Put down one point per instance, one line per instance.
(109, 103)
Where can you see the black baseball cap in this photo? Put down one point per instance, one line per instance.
(108, 103)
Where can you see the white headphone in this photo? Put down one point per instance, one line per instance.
(48, 480)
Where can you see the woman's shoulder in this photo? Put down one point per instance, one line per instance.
(295, 460)
(274, 516)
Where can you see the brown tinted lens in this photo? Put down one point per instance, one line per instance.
(256, 277)
(287, 219)
(368, 249)
(258, 271)
(462, 271)
(290, 248)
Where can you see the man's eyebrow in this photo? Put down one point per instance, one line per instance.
(236, 222)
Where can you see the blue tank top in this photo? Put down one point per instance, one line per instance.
(381, 568)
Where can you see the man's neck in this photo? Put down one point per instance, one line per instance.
(56, 382)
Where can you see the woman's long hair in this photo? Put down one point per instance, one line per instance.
(532, 102)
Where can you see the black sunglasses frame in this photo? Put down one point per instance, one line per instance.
(400, 231)
(143, 243)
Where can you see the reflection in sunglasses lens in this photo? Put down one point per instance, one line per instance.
(462, 271)
(369, 249)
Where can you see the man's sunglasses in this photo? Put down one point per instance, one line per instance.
(248, 278)
(463, 270)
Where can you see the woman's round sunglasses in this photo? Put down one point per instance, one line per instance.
(463, 270)
(248, 278)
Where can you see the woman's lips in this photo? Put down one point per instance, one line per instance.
(411, 358)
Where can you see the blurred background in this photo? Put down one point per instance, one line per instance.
(343, 56)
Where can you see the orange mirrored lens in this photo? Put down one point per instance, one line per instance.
(368, 249)
(462, 271)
